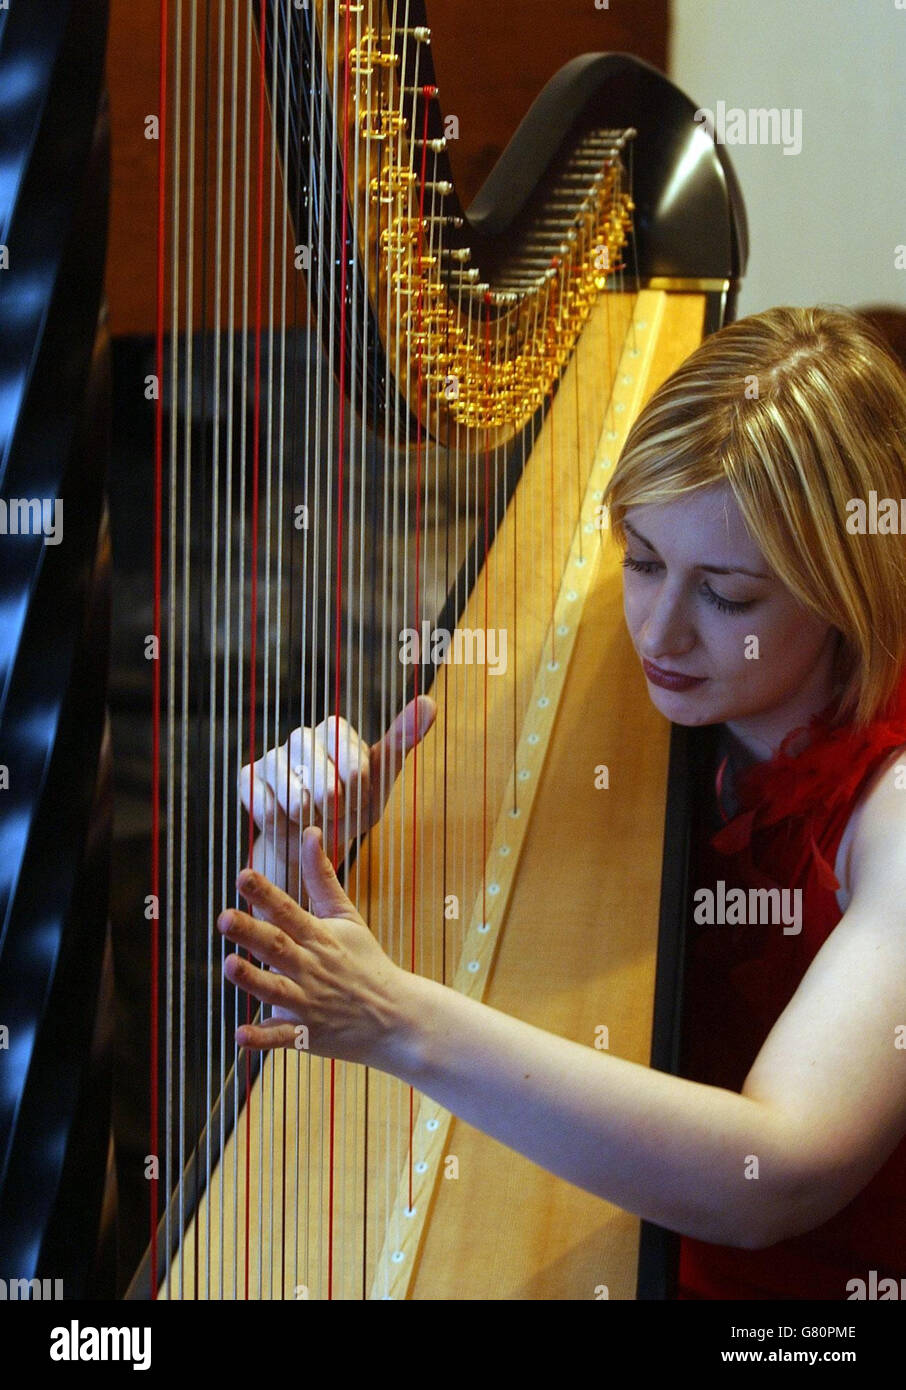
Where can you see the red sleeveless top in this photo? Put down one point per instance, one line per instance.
(793, 811)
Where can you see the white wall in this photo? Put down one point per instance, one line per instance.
(824, 224)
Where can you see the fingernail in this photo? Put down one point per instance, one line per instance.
(224, 921)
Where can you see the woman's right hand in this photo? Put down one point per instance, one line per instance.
(309, 780)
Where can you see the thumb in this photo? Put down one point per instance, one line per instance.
(408, 728)
(328, 897)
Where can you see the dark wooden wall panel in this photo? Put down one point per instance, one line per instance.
(492, 61)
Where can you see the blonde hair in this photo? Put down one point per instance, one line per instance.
(800, 411)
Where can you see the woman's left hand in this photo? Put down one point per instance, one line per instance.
(334, 991)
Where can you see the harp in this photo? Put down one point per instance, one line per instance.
(383, 418)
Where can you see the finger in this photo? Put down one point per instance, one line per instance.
(408, 728)
(255, 795)
(285, 787)
(261, 936)
(349, 752)
(264, 985)
(268, 1034)
(351, 757)
(310, 755)
(266, 797)
(284, 776)
(276, 847)
(272, 903)
(328, 898)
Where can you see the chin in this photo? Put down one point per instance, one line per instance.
(679, 706)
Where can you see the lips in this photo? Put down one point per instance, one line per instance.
(670, 680)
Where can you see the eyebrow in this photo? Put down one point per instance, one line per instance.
(711, 569)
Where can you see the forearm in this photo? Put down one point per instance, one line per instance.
(673, 1151)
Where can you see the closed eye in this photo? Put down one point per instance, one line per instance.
(725, 605)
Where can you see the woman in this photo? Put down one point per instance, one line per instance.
(758, 607)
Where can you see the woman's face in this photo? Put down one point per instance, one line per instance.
(763, 661)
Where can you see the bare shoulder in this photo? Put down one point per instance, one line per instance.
(874, 839)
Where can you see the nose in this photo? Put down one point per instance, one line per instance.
(666, 631)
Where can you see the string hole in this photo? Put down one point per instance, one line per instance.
(553, 666)
(432, 1124)
(543, 702)
(397, 1257)
(524, 775)
(562, 630)
(484, 927)
(505, 849)
(572, 596)
(532, 738)
(421, 1166)
(473, 967)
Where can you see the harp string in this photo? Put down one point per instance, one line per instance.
(395, 448)
(191, 718)
(356, 456)
(171, 644)
(276, 1195)
(157, 549)
(227, 794)
(207, 1021)
(341, 461)
(267, 1114)
(362, 1080)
